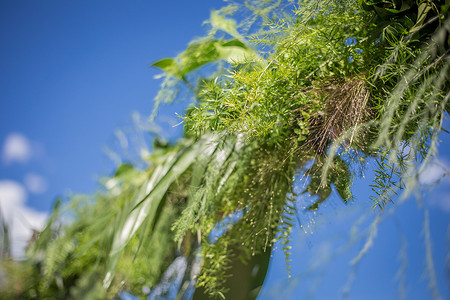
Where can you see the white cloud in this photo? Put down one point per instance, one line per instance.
(432, 173)
(16, 148)
(12, 195)
(35, 183)
(21, 219)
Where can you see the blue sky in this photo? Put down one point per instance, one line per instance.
(72, 75)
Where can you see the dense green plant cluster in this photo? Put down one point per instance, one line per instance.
(70, 258)
(312, 89)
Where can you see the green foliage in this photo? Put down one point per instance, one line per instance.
(201, 53)
(18, 280)
(387, 187)
(310, 90)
